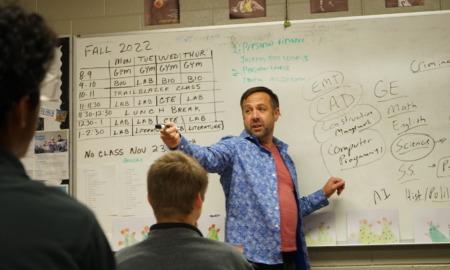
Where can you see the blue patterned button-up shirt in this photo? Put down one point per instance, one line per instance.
(249, 180)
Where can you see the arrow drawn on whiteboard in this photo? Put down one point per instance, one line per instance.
(441, 140)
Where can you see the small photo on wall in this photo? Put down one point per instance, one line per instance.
(161, 12)
(404, 3)
(321, 6)
(247, 9)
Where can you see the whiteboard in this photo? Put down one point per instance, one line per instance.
(362, 98)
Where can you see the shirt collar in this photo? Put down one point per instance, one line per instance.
(175, 225)
(252, 138)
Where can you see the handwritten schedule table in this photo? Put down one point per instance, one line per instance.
(127, 96)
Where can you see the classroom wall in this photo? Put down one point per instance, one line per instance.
(69, 17)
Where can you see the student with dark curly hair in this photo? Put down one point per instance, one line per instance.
(40, 227)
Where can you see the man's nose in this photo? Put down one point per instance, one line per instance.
(255, 115)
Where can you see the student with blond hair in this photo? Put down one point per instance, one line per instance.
(176, 185)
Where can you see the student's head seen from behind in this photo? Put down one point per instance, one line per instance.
(27, 48)
(175, 182)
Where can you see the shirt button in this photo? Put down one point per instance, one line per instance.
(277, 226)
(273, 175)
(182, 146)
(276, 208)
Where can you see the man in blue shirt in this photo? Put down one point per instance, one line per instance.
(264, 210)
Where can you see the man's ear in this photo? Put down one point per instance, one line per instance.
(198, 202)
(148, 199)
(21, 111)
(276, 113)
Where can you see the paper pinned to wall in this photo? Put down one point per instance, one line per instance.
(99, 184)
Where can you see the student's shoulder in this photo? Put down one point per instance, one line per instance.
(127, 255)
(228, 255)
(220, 246)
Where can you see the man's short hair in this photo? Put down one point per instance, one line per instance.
(173, 182)
(27, 48)
(273, 97)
